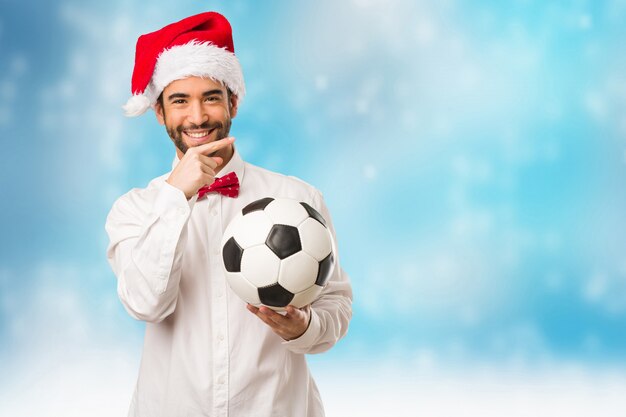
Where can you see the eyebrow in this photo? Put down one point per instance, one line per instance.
(211, 92)
(205, 94)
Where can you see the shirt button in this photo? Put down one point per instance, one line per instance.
(220, 337)
(220, 380)
(213, 212)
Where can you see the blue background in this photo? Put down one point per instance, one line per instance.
(472, 155)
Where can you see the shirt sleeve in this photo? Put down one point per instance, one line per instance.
(332, 311)
(147, 232)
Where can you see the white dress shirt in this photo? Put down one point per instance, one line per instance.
(204, 353)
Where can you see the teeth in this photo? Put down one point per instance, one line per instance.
(197, 134)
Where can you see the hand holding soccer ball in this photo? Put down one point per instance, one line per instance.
(289, 326)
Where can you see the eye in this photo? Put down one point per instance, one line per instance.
(213, 99)
(179, 101)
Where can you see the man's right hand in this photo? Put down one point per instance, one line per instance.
(197, 168)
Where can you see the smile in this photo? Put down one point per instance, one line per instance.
(198, 135)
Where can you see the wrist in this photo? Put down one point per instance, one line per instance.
(187, 194)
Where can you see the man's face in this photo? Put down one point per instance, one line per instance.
(196, 111)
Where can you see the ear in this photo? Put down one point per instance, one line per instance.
(234, 102)
(160, 113)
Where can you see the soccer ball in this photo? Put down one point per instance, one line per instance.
(277, 252)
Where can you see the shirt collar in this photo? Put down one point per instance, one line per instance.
(235, 165)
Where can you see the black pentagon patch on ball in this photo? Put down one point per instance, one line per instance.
(313, 213)
(257, 205)
(284, 240)
(231, 254)
(275, 296)
(323, 273)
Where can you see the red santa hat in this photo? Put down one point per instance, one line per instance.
(200, 45)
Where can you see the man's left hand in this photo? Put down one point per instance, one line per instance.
(290, 326)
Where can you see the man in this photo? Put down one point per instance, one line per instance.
(206, 352)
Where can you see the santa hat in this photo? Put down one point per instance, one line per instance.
(200, 45)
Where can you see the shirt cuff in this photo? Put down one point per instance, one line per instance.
(307, 339)
(171, 197)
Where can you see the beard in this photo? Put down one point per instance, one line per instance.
(176, 133)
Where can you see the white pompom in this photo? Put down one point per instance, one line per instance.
(136, 105)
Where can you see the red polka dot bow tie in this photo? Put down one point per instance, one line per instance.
(227, 185)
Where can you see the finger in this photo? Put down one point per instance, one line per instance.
(208, 176)
(211, 161)
(295, 312)
(265, 319)
(218, 161)
(292, 312)
(209, 148)
(273, 316)
(194, 160)
(208, 171)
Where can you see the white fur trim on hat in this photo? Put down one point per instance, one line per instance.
(136, 105)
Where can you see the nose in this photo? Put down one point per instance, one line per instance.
(197, 114)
